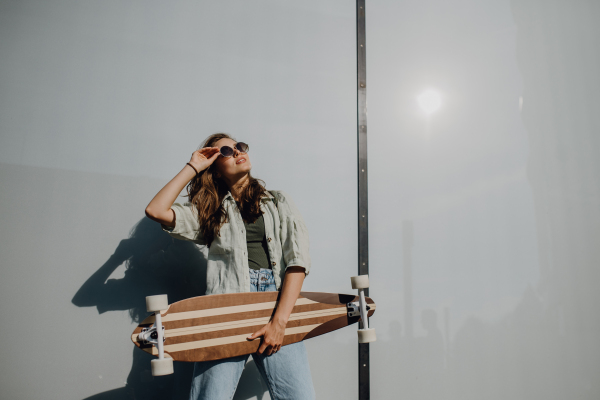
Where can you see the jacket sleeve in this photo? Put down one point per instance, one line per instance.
(294, 234)
(186, 224)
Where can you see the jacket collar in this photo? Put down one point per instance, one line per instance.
(266, 197)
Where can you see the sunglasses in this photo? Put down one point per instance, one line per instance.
(227, 151)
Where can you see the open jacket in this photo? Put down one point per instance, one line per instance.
(227, 264)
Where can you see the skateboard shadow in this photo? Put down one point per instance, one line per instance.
(155, 264)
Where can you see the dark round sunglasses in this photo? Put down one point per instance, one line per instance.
(227, 151)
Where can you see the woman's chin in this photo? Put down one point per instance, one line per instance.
(241, 169)
(245, 166)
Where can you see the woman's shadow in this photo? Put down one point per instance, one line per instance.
(155, 264)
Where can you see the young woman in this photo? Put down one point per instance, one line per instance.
(257, 241)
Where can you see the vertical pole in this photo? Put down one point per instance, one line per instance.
(407, 244)
(364, 391)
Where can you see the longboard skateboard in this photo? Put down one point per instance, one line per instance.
(216, 326)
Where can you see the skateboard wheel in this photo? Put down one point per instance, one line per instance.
(360, 282)
(162, 366)
(366, 335)
(157, 303)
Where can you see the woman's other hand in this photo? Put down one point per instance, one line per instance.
(272, 333)
(203, 158)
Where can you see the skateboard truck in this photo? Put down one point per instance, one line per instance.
(353, 309)
(365, 335)
(150, 335)
(155, 335)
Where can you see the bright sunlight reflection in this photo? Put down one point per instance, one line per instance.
(429, 101)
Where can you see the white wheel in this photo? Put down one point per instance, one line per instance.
(162, 367)
(157, 303)
(366, 335)
(360, 282)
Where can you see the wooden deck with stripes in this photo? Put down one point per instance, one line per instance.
(216, 326)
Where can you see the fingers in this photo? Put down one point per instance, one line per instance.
(269, 345)
(256, 334)
(207, 151)
(204, 157)
(269, 348)
(212, 154)
(262, 348)
(265, 346)
(273, 349)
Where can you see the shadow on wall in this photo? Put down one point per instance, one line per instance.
(155, 264)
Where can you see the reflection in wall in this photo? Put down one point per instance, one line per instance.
(559, 58)
(547, 348)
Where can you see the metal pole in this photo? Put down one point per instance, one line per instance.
(364, 391)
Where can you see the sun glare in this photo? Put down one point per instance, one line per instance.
(429, 101)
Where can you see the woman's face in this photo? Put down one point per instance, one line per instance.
(234, 167)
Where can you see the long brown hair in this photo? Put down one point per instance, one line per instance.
(206, 192)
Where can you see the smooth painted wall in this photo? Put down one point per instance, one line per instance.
(483, 217)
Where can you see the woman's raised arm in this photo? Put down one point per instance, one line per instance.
(159, 209)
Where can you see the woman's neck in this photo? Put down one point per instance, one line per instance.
(238, 186)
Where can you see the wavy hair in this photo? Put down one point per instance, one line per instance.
(206, 192)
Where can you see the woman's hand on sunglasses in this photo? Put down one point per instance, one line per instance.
(203, 158)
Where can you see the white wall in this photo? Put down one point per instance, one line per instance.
(483, 218)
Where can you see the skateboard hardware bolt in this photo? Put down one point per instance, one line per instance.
(150, 335)
(354, 309)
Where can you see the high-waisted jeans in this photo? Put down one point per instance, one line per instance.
(286, 372)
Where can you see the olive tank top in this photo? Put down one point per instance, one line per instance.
(258, 253)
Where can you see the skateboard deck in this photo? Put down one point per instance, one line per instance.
(215, 326)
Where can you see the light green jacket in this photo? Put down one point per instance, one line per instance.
(227, 263)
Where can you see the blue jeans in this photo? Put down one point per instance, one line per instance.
(286, 372)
